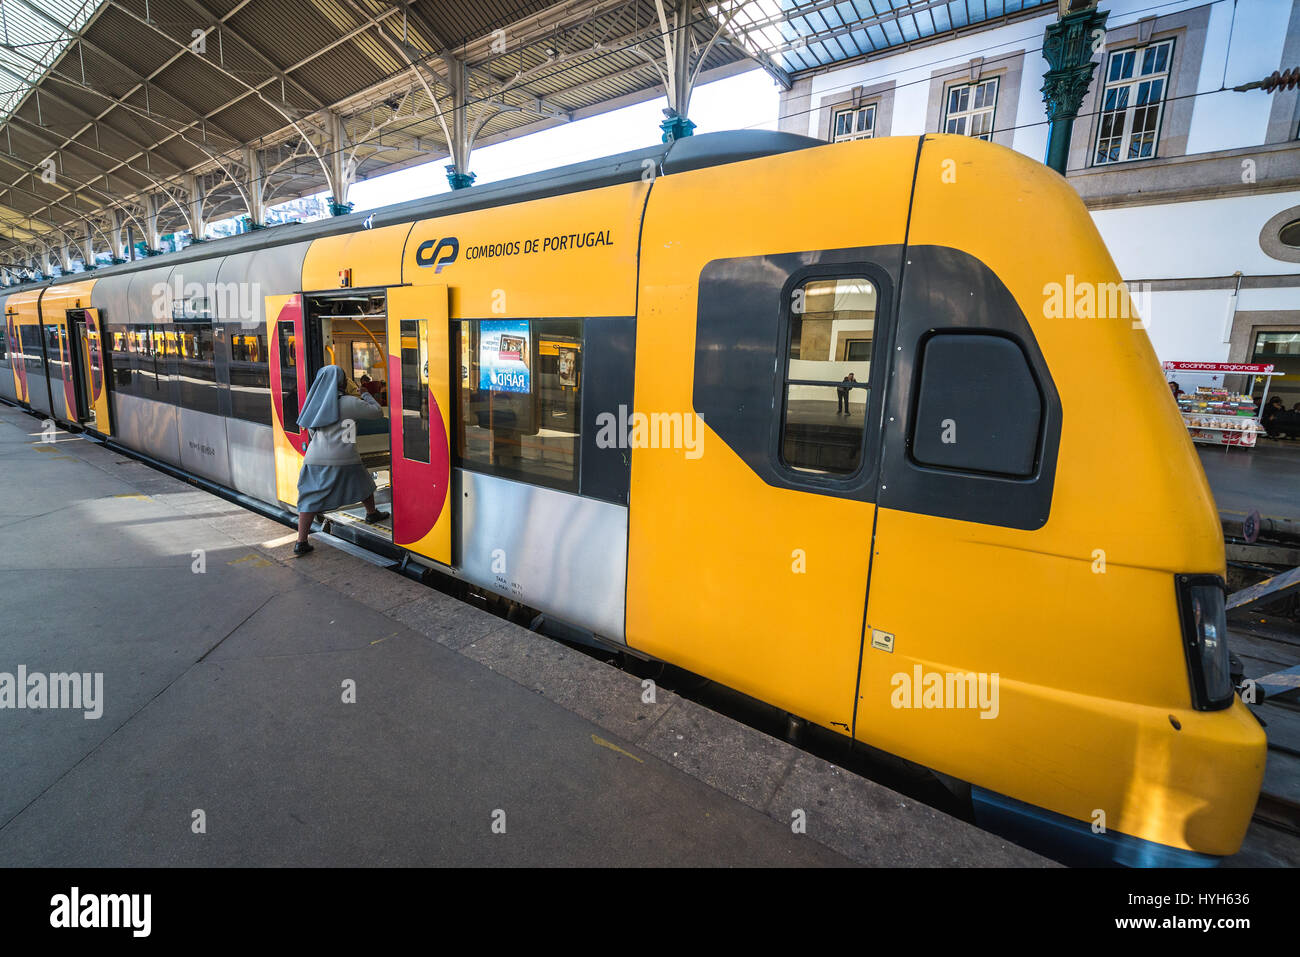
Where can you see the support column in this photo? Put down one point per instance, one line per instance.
(194, 192)
(340, 178)
(677, 49)
(46, 267)
(458, 173)
(65, 255)
(153, 238)
(255, 188)
(88, 248)
(1067, 47)
(118, 238)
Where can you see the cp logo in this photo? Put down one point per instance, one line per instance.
(437, 253)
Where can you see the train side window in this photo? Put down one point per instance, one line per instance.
(978, 407)
(144, 361)
(119, 340)
(520, 399)
(250, 374)
(4, 346)
(827, 371)
(289, 375)
(198, 369)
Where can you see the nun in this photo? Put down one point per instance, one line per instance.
(332, 475)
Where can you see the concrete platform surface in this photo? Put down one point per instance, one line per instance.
(1265, 478)
(226, 736)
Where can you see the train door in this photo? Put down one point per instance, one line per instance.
(88, 368)
(16, 360)
(348, 329)
(77, 381)
(284, 316)
(419, 395)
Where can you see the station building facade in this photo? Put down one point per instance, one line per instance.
(1194, 187)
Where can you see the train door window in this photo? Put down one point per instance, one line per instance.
(289, 374)
(415, 390)
(827, 371)
(4, 346)
(520, 399)
(32, 354)
(53, 340)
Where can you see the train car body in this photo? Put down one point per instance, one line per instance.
(609, 395)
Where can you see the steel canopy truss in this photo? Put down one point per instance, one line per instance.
(152, 117)
(802, 35)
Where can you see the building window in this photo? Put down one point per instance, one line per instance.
(855, 124)
(856, 350)
(1137, 81)
(828, 365)
(970, 109)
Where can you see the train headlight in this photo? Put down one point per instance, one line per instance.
(1205, 639)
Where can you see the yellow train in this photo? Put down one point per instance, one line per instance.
(796, 417)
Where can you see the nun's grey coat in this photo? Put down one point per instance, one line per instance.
(332, 475)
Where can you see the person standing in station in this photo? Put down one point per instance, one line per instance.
(332, 475)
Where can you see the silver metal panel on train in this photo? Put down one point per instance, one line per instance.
(562, 554)
(192, 291)
(38, 391)
(111, 294)
(252, 459)
(147, 426)
(246, 279)
(203, 445)
(146, 297)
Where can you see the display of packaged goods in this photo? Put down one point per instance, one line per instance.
(1217, 402)
(1220, 417)
(1236, 423)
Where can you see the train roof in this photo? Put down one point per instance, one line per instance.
(682, 155)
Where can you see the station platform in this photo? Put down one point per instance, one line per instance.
(1264, 479)
(225, 739)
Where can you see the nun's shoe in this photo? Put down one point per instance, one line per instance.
(302, 548)
(374, 518)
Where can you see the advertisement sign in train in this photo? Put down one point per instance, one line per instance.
(503, 352)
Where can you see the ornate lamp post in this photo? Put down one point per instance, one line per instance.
(1068, 45)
